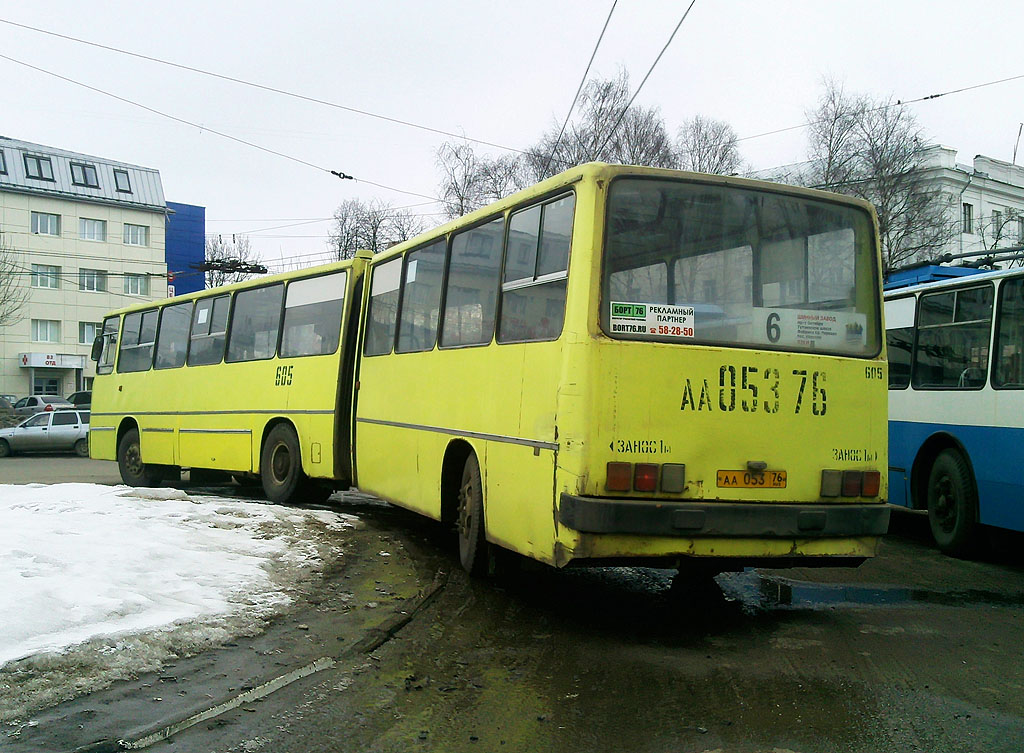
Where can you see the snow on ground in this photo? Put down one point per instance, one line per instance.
(114, 580)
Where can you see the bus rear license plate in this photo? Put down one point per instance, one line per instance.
(748, 480)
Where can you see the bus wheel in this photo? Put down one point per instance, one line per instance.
(470, 521)
(129, 461)
(281, 465)
(82, 448)
(952, 504)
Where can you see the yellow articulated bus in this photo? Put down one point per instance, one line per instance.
(617, 365)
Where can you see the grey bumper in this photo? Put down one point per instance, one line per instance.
(727, 519)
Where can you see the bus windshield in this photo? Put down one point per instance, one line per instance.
(697, 263)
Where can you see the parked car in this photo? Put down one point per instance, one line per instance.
(7, 414)
(12, 399)
(46, 431)
(29, 406)
(81, 400)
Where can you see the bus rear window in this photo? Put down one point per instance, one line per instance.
(692, 263)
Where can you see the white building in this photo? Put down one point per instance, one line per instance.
(86, 235)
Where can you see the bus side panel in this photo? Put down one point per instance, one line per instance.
(316, 435)
(902, 451)
(389, 464)
(519, 486)
(204, 445)
(102, 443)
(157, 442)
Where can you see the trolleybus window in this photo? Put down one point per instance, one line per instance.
(312, 316)
(380, 325)
(421, 298)
(256, 324)
(1008, 367)
(716, 264)
(137, 337)
(172, 341)
(209, 321)
(472, 288)
(105, 364)
(952, 339)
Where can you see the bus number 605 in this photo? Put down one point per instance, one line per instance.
(283, 377)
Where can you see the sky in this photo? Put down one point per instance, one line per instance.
(497, 72)
(200, 571)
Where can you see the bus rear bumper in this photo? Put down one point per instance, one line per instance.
(721, 519)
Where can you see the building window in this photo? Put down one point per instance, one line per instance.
(121, 181)
(84, 175)
(94, 280)
(3, 163)
(968, 219)
(38, 168)
(136, 284)
(45, 224)
(45, 331)
(136, 235)
(92, 230)
(45, 276)
(87, 332)
(1020, 229)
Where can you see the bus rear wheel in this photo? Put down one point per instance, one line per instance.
(470, 520)
(953, 504)
(129, 461)
(281, 465)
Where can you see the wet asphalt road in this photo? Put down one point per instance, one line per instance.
(913, 651)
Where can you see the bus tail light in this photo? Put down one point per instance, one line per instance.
(673, 477)
(872, 481)
(831, 483)
(645, 477)
(47, 407)
(619, 477)
(852, 482)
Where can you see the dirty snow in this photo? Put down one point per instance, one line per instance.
(129, 577)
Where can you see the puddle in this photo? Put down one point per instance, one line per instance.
(758, 591)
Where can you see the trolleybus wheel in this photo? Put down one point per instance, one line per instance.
(129, 461)
(82, 448)
(5, 449)
(470, 521)
(281, 465)
(952, 504)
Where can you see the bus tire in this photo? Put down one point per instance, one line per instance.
(129, 461)
(953, 504)
(281, 465)
(82, 448)
(5, 448)
(470, 519)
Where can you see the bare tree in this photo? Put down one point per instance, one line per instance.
(706, 145)
(374, 226)
(1002, 229)
(607, 129)
(872, 149)
(13, 287)
(218, 250)
(470, 181)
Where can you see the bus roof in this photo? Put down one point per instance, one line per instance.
(950, 281)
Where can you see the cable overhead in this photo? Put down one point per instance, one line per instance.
(649, 71)
(580, 87)
(175, 118)
(264, 87)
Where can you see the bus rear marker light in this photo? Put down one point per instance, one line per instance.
(645, 477)
(619, 477)
(831, 483)
(872, 482)
(673, 477)
(852, 482)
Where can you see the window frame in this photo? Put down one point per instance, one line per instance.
(121, 347)
(52, 273)
(3, 163)
(955, 290)
(344, 312)
(141, 277)
(125, 235)
(997, 320)
(445, 241)
(443, 311)
(39, 161)
(230, 324)
(98, 276)
(82, 328)
(49, 322)
(34, 223)
(111, 337)
(92, 222)
(160, 329)
(118, 173)
(192, 322)
(85, 168)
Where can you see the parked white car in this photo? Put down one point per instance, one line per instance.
(29, 406)
(48, 431)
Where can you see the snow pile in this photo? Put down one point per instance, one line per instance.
(145, 573)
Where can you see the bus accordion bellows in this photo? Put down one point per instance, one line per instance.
(956, 400)
(617, 365)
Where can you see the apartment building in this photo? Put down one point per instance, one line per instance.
(85, 235)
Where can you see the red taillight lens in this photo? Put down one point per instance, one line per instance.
(645, 477)
(619, 477)
(48, 407)
(872, 481)
(852, 481)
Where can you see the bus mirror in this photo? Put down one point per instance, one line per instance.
(97, 348)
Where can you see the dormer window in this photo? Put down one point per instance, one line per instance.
(84, 175)
(3, 163)
(38, 168)
(121, 181)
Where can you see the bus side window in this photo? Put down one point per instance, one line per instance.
(209, 321)
(421, 298)
(172, 338)
(106, 363)
(256, 324)
(1008, 366)
(899, 343)
(536, 266)
(471, 296)
(383, 314)
(137, 339)
(952, 339)
(312, 315)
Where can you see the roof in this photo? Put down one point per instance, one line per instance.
(145, 189)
